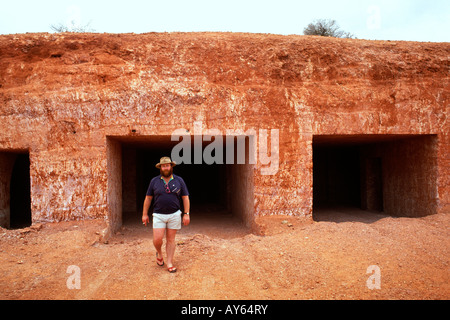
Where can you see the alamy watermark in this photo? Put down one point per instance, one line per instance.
(74, 280)
(374, 281)
(373, 22)
(213, 153)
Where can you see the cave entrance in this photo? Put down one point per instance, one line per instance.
(389, 174)
(221, 195)
(15, 194)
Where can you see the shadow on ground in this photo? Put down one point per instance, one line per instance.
(339, 214)
(210, 220)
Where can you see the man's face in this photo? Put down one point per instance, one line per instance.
(166, 170)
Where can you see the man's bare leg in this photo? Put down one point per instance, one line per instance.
(158, 235)
(170, 246)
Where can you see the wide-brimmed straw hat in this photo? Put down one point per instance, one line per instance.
(165, 160)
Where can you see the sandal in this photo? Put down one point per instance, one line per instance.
(172, 269)
(159, 260)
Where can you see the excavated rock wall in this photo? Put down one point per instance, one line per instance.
(63, 95)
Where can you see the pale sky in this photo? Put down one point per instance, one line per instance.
(412, 20)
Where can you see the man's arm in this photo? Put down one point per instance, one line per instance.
(147, 203)
(186, 205)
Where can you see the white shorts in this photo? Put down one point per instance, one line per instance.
(169, 221)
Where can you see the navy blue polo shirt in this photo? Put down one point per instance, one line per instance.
(166, 202)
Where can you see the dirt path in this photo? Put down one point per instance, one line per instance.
(325, 259)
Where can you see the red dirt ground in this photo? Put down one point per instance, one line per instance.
(219, 259)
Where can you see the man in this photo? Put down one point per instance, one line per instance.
(166, 190)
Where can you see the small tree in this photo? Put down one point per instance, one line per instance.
(326, 28)
(72, 28)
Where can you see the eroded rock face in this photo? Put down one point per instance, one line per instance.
(63, 95)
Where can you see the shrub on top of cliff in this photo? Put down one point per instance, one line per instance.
(72, 28)
(326, 28)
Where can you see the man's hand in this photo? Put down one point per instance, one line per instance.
(147, 203)
(145, 219)
(186, 219)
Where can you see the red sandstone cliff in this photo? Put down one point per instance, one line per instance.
(61, 94)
